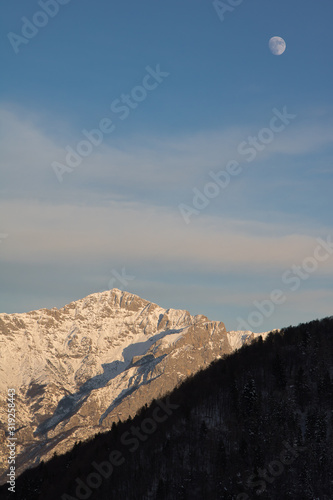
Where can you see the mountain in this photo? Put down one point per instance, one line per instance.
(78, 369)
(257, 423)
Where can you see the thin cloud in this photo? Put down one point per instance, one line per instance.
(135, 167)
(141, 233)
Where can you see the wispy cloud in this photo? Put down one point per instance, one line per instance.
(138, 232)
(140, 167)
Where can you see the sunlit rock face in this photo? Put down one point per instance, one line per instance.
(77, 369)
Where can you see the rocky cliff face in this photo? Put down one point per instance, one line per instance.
(77, 369)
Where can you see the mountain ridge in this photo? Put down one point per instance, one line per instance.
(95, 361)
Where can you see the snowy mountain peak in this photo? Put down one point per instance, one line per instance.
(79, 367)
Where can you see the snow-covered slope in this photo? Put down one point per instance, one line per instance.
(79, 368)
(238, 338)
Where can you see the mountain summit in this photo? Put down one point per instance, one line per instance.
(78, 369)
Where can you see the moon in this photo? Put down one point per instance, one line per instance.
(277, 45)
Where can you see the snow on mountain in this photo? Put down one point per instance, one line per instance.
(238, 338)
(77, 369)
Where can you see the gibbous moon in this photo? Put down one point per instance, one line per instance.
(277, 45)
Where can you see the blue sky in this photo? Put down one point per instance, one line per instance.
(117, 218)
